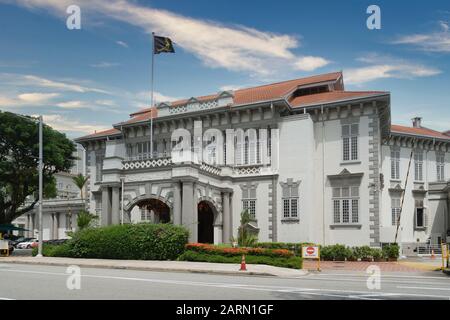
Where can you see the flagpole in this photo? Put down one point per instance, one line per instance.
(151, 98)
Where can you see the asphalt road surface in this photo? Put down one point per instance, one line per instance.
(50, 282)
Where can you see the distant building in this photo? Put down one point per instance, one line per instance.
(335, 176)
(60, 213)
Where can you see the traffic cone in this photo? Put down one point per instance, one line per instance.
(243, 265)
(432, 254)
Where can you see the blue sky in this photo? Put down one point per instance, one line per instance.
(86, 80)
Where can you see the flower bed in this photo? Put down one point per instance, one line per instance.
(210, 253)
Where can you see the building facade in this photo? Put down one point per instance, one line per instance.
(59, 214)
(310, 161)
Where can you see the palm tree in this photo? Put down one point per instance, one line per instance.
(80, 181)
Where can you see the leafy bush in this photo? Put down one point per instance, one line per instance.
(335, 252)
(391, 251)
(54, 250)
(296, 248)
(142, 241)
(377, 254)
(363, 253)
(233, 252)
(85, 219)
(284, 262)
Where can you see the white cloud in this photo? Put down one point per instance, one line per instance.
(65, 124)
(438, 41)
(27, 99)
(386, 67)
(60, 85)
(236, 48)
(230, 87)
(310, 63)
(122, 43)
(105, 64)
(74, 104)
(36, 97)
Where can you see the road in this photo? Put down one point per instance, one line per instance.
(20, 281)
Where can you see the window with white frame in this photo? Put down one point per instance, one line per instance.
(98, 168)
(346, 205)
(290, 199)
(395, 163)
(350, 134)
(440, 166)
(249, 198)
(420, 218)
(395, 210)
(145, 214)
(250, 206)
(418, 165)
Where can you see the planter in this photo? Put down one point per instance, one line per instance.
(367, 259)
(392, 259)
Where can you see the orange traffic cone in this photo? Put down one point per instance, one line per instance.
(243, 265)
(432, 254)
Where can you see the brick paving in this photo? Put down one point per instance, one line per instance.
(362, 266)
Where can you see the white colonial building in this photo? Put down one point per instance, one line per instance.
(59, 214)
(329, 169)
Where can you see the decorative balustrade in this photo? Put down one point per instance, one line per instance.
(247, 170)
(147, 163)
(210, 169)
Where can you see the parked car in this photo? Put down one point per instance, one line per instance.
(26, 244)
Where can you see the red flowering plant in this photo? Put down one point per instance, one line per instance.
(224, 251)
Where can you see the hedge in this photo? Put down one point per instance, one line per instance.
(340, 252)
(285, 262)
(232, 252)
(143, 241)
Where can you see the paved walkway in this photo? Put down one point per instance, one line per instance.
(181, 266)
(400, 266)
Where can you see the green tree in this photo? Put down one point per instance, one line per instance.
(245, 238)
(85, 219)
(80, 182)
(19, 157)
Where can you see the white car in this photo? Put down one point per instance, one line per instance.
(25, 244)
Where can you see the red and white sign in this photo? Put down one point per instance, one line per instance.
(310, 252)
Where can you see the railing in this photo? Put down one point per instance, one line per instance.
(428, 249)
(147, 163)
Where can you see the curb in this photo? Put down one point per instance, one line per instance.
(157, 269)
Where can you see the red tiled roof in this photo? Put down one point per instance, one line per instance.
(261, 93)
(332, 96)
(418, 131)
(447, 133)
(99, 134)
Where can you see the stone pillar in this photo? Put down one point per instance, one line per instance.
(56, 225)
(106, 207)
(115, 206)
(226, 230)
(176, 203)
(187, 218)
(32, 217)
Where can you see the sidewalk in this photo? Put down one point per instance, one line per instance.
(177, 266)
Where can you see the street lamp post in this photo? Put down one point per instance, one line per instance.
(41, 182)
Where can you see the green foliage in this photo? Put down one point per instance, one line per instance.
(288, 262)
(296, 248)
(391, 251)
(52, 250)
(19, 155)
(80, 181)
(335, 252)
(85, 219)
(245, 238)
(142, 241)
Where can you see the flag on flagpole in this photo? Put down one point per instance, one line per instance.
(162, 44)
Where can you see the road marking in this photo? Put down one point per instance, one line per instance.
(423, 288)
(363, 274)
(312, 291)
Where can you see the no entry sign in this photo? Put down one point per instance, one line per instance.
(310, 252)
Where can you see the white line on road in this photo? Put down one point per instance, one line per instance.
(423, 288)
(312, 291)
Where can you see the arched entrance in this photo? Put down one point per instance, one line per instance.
(154, 211)
(205, 222)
